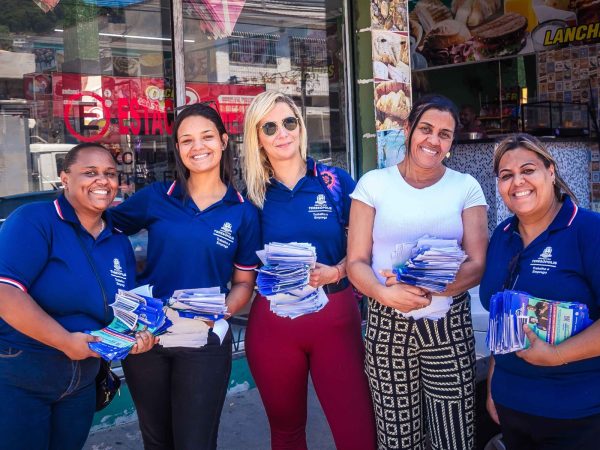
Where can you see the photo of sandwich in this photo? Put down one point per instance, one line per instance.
(389, 15)
(462, 31)
(503, 36)
(392, 105)
(588, 11)
(440, 42)
(125, 66)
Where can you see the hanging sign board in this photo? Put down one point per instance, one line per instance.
(464, 31)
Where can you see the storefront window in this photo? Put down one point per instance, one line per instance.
(235, 50)
(83, 71)
(102, 71)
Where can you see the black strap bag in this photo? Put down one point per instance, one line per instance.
(107, 382)
(107, 385)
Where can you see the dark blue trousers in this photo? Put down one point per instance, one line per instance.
(521, 431)
(47, 401)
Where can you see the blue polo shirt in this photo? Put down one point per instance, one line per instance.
(189, 248)
(315, 211)
(563, 263)
(41, 254)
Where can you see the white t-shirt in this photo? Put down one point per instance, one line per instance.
(403, 213)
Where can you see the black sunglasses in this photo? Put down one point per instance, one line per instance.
(289, 123)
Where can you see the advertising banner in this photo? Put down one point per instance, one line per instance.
(231, 101)
(444, 32)
(103, 108)
(391, 76)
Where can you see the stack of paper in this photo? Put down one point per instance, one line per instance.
(287, 267)
(432, 265)
(551, 321)
(131, 309)
(133, 312)
(284, 278)
(203, 303)
(185, 332)
(298, 303)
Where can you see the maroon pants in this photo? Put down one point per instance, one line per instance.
(281, 352)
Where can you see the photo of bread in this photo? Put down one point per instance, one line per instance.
(430, 12)
(415, 29)
(390, 48)
(390, 15)
(390, 56)
(474, 12)
(392, 105)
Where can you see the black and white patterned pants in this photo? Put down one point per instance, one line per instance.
(422, 376)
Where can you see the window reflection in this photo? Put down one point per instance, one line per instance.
(248, 47)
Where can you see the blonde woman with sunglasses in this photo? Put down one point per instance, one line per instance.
(303, 201)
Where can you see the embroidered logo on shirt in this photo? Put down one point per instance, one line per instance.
(118, 274)
(320, 210)
(543, 263)
(224, 235)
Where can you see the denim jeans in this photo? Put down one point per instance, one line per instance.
(47, 401)
(179, 393)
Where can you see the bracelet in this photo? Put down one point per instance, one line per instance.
(339, 272)
(558, 354)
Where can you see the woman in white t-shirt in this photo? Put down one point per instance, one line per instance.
(418, 366)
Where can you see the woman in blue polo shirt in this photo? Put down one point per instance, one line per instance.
(201, 234)
(56, 281)
(303, 201)
(545, 397)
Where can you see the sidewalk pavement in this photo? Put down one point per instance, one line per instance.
(244, 426)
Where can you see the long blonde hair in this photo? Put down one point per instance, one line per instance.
(257, 167)
(528, 142)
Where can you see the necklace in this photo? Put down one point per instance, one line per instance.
(101, 226)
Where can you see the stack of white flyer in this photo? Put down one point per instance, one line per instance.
(204, 303)
(284, 278)
(286, 267)
(297, 303)
(134, 311)
(191, 312)
(432, 265)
